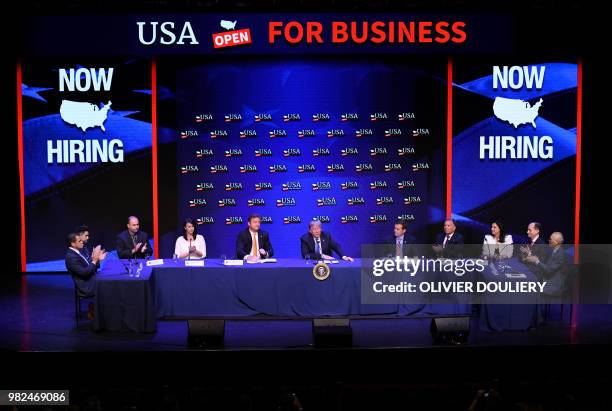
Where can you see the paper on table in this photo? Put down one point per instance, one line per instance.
(516, 275)
(233, 262)
(194, 263)
(151, 263)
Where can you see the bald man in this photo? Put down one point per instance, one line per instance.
(133, 243)
(536, 245)
(554, 269)
(449, 244)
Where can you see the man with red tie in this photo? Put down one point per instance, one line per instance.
(252, 243)
(450, 243)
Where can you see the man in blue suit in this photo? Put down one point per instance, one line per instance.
(253, 243)
(536, 245)
(319, 245)
(404, 244)
(554, 268)
(83, 269)
(450, 243)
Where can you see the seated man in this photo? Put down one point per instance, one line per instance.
(83, 232)
(82, 270)
(133, 243)
(536, 246)
(403, 244)
(554, 269)
(319, 245)
(450, 243)
(253, 243)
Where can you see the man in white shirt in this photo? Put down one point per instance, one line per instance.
(82, 269)
(253, 243)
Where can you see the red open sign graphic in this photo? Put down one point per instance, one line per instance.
(231, 38)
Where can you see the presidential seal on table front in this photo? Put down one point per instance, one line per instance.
(321, 271)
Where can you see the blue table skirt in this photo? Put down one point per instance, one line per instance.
(286, 288)
(519, 314)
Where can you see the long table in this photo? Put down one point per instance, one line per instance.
(284, 289)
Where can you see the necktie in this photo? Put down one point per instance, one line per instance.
(255, 248)
(446, 240)
(318, 246)
(83, 257)
(398, 248)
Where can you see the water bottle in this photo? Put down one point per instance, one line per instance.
(494, 270)
(130, 268)
(175, 258)
(223, 258)
(139, 270)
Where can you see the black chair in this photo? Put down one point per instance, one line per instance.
(78, 297)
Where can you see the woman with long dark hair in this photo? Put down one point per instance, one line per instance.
(190, 245)
(498, 244)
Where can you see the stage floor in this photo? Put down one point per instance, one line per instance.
(37, 315)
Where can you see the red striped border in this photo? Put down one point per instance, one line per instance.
(154, 156)
(449, 137)
(20, 159)
(574, 319)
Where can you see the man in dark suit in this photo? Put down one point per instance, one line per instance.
(83, 270)
(83, 232)
(319, 245)
(450, 243)
(554, 268)
(253, 243)
(133, 243)
(536, 246)
(403, 245)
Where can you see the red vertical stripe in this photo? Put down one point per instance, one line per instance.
(578, 163)
(449, 136)
(154, 155)
(20, 159)
(574, 319)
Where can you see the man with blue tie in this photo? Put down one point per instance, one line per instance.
(319, 245)
(82, 269)
(404, 243)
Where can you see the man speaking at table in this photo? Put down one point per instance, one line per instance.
(133, 243)
(319, 245)
(252, 243)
